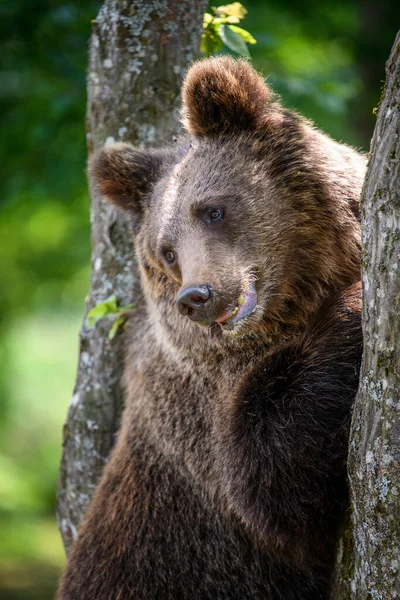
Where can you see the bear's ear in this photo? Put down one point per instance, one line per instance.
(222, 95)
(124, 174)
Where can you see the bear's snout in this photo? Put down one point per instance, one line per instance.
(194, 300)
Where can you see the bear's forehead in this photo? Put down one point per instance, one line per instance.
(210, 174)
(210, 169)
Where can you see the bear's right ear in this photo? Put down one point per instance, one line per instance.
(124, 174)
(222, 95)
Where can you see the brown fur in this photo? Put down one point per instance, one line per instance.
(221, 96)
(228, 478)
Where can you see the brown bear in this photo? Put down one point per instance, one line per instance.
(228, 480)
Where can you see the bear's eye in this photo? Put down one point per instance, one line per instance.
(169, 256)
(215, 214)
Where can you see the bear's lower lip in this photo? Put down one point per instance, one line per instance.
(244, 307)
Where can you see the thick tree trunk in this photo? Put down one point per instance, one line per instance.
(139, 52)
(370, 563)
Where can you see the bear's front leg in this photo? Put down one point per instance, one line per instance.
(101, 561)
(282, 439)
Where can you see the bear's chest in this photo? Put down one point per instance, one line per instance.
(174, 400)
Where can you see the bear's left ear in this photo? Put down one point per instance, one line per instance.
(124, 174)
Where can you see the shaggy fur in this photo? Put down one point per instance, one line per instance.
(228, 480)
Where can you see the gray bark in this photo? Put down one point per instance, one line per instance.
(139, 51)
(370, 561)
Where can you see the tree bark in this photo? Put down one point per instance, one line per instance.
(370, 557)
(139, 51)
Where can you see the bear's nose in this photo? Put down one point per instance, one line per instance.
(192, 298)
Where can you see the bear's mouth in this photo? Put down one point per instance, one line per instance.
(245, 305)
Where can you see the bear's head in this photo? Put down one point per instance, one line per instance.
(249, 223)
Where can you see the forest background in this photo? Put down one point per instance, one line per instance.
(325, 59)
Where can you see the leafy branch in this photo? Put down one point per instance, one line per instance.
(220, 29)
(108, 308)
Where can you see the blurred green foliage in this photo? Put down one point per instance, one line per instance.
(327, 62)
(44, 209)
(44, 272)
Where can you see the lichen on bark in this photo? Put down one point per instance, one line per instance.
(138, 54)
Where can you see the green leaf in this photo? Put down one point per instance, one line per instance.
(245, 35)
(233, 41)
(102, 309)
(216, 32)
(210, 42)
(118, 323)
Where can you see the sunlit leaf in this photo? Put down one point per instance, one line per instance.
(231, 19)
(210, 21)
(233, 41)
(236, 9)
(245, 35)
